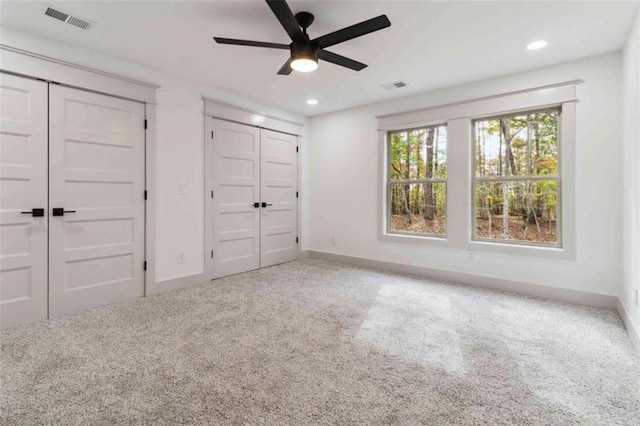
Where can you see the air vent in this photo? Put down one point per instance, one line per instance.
(395, 85)
(80, 23)
(60, 16)
(68, 18)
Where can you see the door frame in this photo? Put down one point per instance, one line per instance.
(36, 66)
(214, 109)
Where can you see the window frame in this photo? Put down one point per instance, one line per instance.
(528, 177)
(458, 117)
(390, 182)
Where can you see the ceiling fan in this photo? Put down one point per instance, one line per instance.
(305, 52)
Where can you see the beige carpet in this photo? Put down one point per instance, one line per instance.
(313, 342)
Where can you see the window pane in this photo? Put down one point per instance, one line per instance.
(418, 207)
(517, 211)
(398, 154)
(419, 153)
(544, 143)
(521, 145)
(434, 152)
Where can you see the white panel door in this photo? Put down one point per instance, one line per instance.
(279, 182)
(236, 188)
(96, 249)
(23, 187)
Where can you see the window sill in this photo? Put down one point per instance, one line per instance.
(539, 251)
(414, 239)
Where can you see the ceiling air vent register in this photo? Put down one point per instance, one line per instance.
(68, 18)
(395, 85)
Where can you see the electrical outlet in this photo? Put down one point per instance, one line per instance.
(333, 240)
(180, 257)
(182, 187)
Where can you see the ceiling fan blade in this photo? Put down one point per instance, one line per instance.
(281, 9)
(222, 40)
(353, 31)
(340, 60)
(286, 68)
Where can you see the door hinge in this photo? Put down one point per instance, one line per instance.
(212, 134)
(212, 193)
(212, 254)
(296, 194)
(296, 149)
(145, 124)
(145, 194)
(144, 265)
(297, 239)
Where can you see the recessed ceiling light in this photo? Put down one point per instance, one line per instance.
(538, 44)
(312, 102)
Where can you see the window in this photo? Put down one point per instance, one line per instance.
(516, 178)
(417, 181)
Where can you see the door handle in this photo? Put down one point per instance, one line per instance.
(266, 205)
(35, 212)
(60, 211)
(256, 205)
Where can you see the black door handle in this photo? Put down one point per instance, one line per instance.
(256, 205)
(265, 204)
(60, 211)
(35, 212)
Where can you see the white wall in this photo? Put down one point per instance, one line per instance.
(631, 89)
(180, 150)
(343, 177)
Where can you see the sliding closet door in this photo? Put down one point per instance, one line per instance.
(96, 244)
(236, 190)
(23, 190)
(279, 176)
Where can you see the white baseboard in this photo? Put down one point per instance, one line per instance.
(175, 283)
(631, 329)
(528, 289)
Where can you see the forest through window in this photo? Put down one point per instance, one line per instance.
(517, 178)
(417, 186)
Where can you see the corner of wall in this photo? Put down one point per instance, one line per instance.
(633, 332)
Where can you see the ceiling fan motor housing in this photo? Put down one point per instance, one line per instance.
(304, 51)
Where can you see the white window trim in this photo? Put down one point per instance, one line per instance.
(458, 117)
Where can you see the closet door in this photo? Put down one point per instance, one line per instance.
(96, 177)
(236, 190)
(279, 182)
(23, 187)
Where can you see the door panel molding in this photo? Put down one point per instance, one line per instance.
(96, 187)
(23, 185)
(278, 187)
(235, 186)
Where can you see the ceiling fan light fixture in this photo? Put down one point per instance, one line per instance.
(304, 65)
(304, 57)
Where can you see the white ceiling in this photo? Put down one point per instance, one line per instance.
(429, 44)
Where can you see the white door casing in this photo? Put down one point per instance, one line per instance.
(236, 187)
(23, 187)
(279, 182)
(96, 150)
